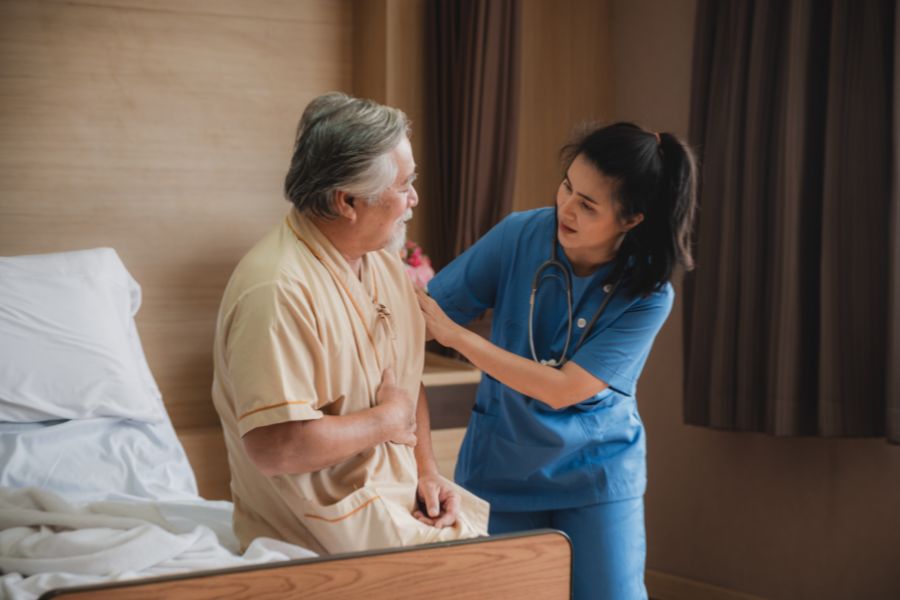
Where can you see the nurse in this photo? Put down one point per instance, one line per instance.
(578, 292)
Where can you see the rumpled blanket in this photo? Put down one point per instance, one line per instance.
(47, 542)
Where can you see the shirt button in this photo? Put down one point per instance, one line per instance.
(581, 323)
(607, 288)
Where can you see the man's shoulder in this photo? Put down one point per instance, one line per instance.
(275, 265)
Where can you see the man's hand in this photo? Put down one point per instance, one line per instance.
(400, 409)
(438, 502)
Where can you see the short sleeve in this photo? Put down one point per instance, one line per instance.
(271, 351)
(617, 353)
(468, 285)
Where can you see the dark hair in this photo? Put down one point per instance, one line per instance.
(343, 143)
(655, 176)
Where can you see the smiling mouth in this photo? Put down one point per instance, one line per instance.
(565, 229)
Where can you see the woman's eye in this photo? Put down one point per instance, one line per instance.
(567, 185)
(587, 206)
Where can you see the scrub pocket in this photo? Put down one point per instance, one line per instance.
(546, 465)
(361, 521)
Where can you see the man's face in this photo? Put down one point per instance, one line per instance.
(383, 222)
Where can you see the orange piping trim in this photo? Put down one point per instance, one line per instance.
(348, 515)
(262, 408)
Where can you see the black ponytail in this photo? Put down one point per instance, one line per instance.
(655, 175)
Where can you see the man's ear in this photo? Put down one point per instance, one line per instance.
(345, 205)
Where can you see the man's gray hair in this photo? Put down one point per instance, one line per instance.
(343, 143)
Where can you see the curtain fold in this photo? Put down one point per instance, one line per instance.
(893, 384)
(788, 313)
(473, 73)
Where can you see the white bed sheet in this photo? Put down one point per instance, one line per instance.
(47, 542)
(97, 500)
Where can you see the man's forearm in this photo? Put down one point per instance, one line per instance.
(425, 461)
(306, 446)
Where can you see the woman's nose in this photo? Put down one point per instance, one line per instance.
(565, 203)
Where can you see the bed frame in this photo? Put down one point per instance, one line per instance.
(534, 565)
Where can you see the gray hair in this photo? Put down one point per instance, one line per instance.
(343, 143)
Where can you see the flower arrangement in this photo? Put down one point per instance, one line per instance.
(418, 265)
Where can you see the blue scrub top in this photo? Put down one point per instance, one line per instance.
(518, 453)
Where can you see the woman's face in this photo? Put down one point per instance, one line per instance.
(589, 227)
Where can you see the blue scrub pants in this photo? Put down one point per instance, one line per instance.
(608, 542)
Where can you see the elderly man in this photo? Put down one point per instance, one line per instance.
(319, 352)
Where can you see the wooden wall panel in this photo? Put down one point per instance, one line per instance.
(566, 79)
(162, 129)
(389, 67)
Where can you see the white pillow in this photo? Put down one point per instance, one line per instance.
(69, 347)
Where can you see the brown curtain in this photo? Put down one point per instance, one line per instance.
(893, 388)
(791, 317)
(473, 66)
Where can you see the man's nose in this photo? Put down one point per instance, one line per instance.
(413, 197)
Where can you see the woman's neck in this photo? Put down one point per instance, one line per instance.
(586, 261)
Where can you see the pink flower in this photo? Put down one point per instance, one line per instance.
(418, 265)
(421, 275)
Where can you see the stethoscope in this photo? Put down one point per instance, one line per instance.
(555, 263)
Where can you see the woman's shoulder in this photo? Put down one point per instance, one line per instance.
(660, 298)
(529, 221)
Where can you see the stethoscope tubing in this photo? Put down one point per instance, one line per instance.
(554, 262)
(535, 284)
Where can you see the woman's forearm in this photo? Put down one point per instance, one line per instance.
(556, 388)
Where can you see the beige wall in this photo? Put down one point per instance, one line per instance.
(389, 67)
(163, 129)
(784, 519)
(566, 79)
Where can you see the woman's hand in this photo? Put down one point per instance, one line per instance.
(440, 326)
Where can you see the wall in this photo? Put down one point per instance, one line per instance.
(566, 79)
(163, 129)
(389, 67)
(779, 518)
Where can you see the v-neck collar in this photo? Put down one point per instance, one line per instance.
(362, 291)
(322, 248)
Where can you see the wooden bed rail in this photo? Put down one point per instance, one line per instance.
(534, 565)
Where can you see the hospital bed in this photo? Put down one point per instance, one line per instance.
(98, 499)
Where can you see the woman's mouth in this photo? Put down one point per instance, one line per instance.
(565, 229)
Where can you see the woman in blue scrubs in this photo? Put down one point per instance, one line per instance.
(555, 438)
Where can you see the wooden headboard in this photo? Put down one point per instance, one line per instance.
(534, 565)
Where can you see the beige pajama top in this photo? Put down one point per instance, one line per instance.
(299, 336)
